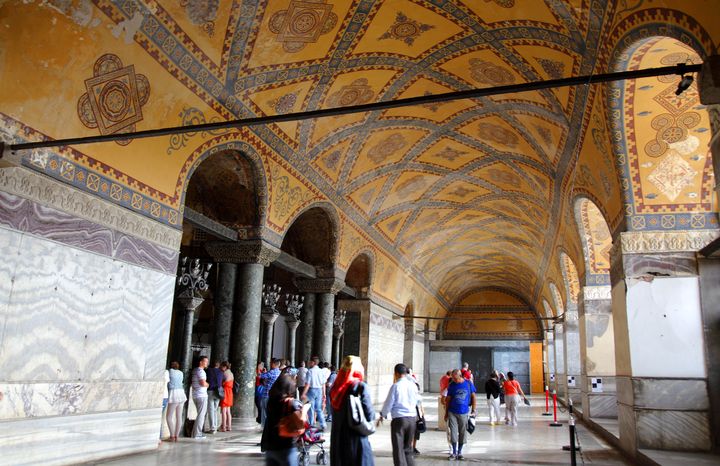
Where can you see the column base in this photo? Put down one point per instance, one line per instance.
(243, 424)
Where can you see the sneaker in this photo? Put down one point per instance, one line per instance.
(416, 451)
(452, 457)
(200, 437)
(460, 457)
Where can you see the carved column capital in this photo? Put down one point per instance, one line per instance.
(270, 317)
(596, 293)
(292, 324)
(319, 285)
(243, 252)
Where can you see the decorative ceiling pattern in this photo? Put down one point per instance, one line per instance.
(457, 195)
(596, 242)
(666, 158)
(570, 277)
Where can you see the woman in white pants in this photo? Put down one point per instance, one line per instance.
(512, 398)
(176, 400)
(492, 391)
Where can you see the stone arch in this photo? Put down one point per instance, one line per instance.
(595, 239)
(244, 154)
(312, 236)
(570, 278)
(360, 274)
(549, 313)
(557, 298)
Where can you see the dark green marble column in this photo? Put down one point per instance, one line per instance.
(224, 297)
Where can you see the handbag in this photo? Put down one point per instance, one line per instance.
(290, 426)
(420, 425)
(471, 424)
(356, 416)
(221, 392)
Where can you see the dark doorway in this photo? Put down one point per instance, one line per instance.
(480, 360)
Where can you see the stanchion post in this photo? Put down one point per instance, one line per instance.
(555, 422)
(571, 423)
(547, 402)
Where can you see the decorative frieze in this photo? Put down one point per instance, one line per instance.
(596, 293)
(243, 252)
(32, 186)
(320, 285)
(638, 242)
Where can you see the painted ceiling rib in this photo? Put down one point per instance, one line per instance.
(679, 69)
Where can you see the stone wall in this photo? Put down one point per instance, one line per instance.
(86, 293)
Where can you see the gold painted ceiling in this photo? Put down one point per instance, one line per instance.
(462, 195)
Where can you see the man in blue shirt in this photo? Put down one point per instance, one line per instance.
(460, 397)
(214, 379)
(401, 403)
(267, 380)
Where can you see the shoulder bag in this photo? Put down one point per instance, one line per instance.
(290, 425)
(356, 415)
(420, 425)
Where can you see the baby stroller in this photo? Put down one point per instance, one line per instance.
(311, 437)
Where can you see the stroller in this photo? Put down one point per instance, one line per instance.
(311, 437)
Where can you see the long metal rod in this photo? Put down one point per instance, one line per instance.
(679, 69)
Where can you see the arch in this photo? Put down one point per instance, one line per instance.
(242, 150)
(570, 277)
(549, 313)
(313, 237)
(557, 298)
(361, 272)
(661, 140)
(595, 239)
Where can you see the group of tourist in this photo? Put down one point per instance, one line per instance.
(212, 393)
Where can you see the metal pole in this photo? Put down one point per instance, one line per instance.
(679, 69)
(547, 401)
(555, 422)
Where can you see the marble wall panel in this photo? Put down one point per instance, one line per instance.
(387, 337)
(440, 363)
(73, 315)
(76, 439)
(665, 327)
(20, 214)
(418, 365)
(673, 430)
(601, 405)
(673, 394)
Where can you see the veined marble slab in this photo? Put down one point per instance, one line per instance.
(76, 439)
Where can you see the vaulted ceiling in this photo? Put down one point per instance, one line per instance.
(469, 194)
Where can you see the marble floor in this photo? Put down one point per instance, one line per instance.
(532, 442)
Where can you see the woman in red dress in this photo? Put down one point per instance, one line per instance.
(227, 401)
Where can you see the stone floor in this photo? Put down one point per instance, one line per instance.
(532, 442)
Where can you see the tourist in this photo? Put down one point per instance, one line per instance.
(259, 370)
(492, 391)
(280, 449)
(228, 381)
(444, 383)
(314, 393)
(512, 398)
(268, 379)
(215, 380)
(176, 400)
(200, 396)
(420, 410)
(467, 373)
(460, 398)
(401, 404)
(347, 446)
(166, 378)
(300, 377)
(328, 387)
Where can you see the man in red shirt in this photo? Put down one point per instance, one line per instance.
(466, 372)
(444, 383)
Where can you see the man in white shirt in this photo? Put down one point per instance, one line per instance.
(315, 392)
(401, 404)
(200, 396)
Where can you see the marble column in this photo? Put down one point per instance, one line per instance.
(560, 384)
(292, 326)
(325, 289)
(571, 346)
(188, 305)
(251, 257)
(308, 326)
(661, 372)
(597, 353)
(269, 319)
(224, 298)
(337, 339)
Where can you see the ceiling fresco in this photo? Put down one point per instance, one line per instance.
(596, 241)
(449, 197)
